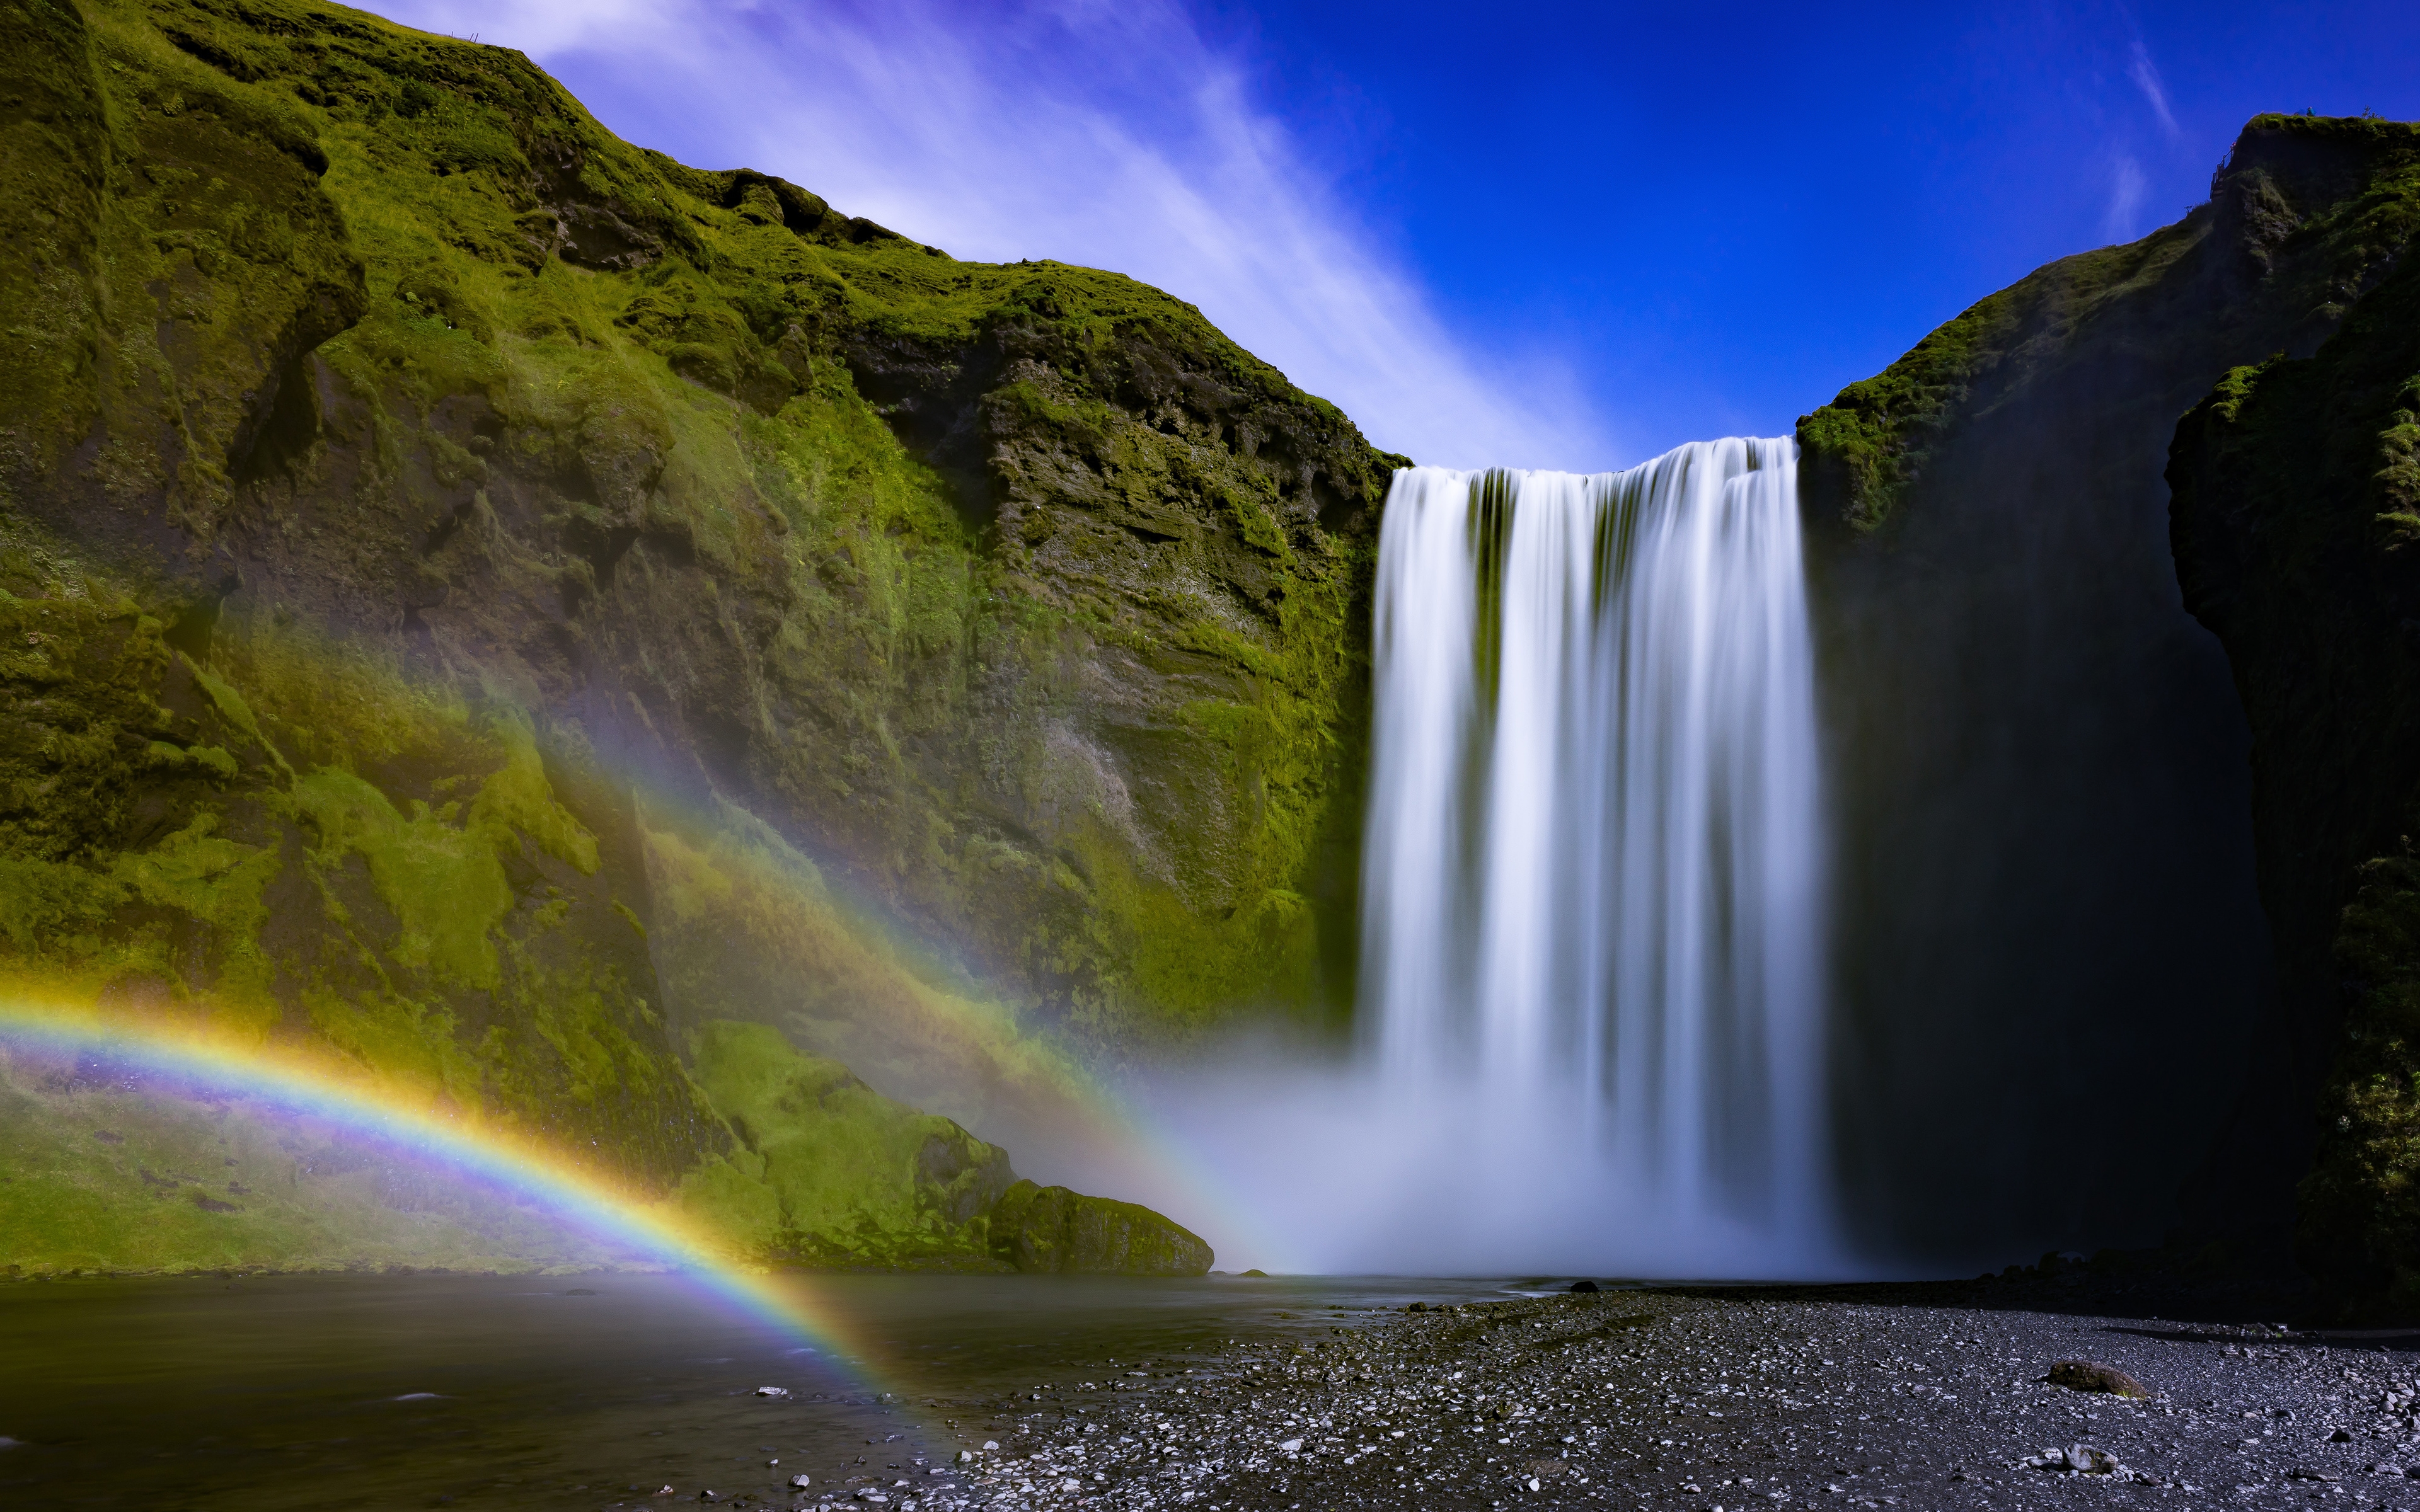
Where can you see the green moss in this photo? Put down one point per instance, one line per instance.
(442, 880)
(827, 1172)
(52, 909)
(1051, 1230)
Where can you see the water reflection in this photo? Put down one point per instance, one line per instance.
(471, 1392)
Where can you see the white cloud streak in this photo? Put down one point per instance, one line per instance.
(2146, 75)
(2127, 187)
(1109, 135)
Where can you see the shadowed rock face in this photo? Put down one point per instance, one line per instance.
(397, 465)
(2055, 976)
(2297, 509)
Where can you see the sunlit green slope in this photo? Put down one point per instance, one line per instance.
(493, 602)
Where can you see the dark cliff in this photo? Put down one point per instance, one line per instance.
(2296, 513)
(2058, 975)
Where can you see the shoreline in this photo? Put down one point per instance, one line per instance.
(1869, 1395)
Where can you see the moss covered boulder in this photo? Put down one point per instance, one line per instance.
(1053, 1230)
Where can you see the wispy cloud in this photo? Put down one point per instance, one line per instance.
(1107, 132)
(2127, 187)
(2146, 75)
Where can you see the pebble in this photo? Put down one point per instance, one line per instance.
(1877, 1397)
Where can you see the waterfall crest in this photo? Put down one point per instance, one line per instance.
(1591, 875)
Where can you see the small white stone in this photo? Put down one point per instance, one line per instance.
(799, 1482)
(772, 1391)
(1292, 1446)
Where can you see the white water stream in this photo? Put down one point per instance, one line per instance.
(1591, 979)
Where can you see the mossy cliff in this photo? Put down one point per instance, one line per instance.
(2054, 967)
(482, 591)
(2297, 533)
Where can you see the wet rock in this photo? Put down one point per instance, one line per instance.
(2340, 1435)
(2083, 1375)
(1584, 1286)
(772, 1391)
(799, 1482)
(2078, 1460)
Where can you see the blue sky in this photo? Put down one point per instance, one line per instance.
(1555, 236)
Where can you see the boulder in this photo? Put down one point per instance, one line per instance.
(1054, 1230)
(2083, 1375)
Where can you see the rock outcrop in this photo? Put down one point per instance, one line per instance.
(1053, 1230)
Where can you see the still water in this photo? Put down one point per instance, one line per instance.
(486, 1392)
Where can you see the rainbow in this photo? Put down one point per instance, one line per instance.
(323, 1089)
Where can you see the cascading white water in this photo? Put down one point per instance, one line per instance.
(1591, 888)
(1591, 974)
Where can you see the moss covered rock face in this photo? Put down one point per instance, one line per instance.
(435, 528)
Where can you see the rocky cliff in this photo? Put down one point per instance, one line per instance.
(2296, 507)
(494, 602)
(2058, 970)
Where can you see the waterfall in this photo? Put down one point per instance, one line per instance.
(1590, 910)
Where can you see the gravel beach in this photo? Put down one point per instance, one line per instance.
(1697, 1398)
